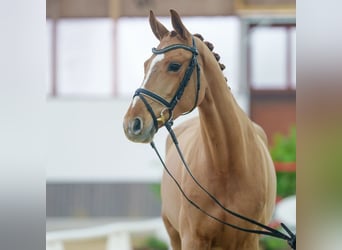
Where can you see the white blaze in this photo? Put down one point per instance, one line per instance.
(155, 60)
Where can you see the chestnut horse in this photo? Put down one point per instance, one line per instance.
(226, 152)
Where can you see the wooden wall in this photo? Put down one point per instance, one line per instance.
(275, 111)
(117, 8)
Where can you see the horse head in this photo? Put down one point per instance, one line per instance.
(171, 85)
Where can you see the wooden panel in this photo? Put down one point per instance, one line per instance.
(275, 111)
(77, 8)
(269, 2)
(116, 8)
(86, 244)
(245, 7)
(52, 8)
(94, 199)
(84, 8)
(185, 8)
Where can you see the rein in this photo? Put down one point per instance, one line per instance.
(290, 238)
(142, 93)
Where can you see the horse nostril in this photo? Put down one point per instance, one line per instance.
(137, 125)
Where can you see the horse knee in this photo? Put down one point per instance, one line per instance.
(173, 234)
(195, 243)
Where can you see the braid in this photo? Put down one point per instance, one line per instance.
(211, 48)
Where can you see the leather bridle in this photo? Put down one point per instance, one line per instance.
(170, 105)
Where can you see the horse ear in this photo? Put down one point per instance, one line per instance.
(179, 26)
(158, 29)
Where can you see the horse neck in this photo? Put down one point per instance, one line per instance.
(224, 126)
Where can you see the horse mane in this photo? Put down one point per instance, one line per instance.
(211, 47)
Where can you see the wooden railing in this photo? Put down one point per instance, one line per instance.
(117, 236)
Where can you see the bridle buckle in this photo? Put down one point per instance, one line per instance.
(162, 119)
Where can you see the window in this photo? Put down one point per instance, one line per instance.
(135, 40)
(272, 57)
(102, 57)
(84, 61)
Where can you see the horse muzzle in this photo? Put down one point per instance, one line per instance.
(138, 130)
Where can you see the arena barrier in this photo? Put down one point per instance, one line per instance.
(117, 235)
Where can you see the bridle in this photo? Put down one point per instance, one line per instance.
(290, 237)
(170, 105)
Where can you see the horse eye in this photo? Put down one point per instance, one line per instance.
(174, 67)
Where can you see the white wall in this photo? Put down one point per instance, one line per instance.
(86, 142)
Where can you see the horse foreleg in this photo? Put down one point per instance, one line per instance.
(195, 243)
(173, 234)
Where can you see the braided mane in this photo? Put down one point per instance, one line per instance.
(211, 47)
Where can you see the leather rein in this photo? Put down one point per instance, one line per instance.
(290, 237)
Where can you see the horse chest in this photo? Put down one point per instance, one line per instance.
(176, 207)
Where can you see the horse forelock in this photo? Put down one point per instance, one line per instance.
(173, 33)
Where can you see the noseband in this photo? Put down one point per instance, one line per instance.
(170, 105)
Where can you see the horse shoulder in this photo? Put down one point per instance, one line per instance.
(270, 177)
(261, 133)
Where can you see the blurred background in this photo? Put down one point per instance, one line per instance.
(96, 179)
